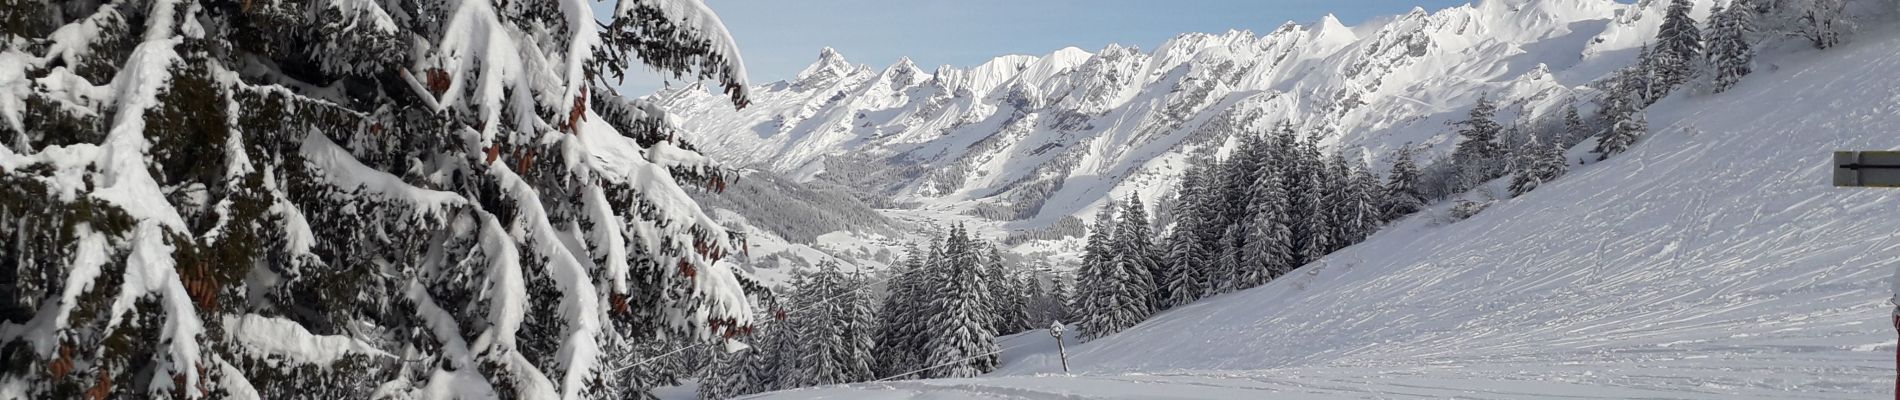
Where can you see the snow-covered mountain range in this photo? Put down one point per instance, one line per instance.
(1711, 261)
(1034, 139)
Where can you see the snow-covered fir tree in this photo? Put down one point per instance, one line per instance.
(1061, 304)
(1538, 164)
(1311, 225)
(726, 378)
(1678, 50)
(777, 344)
(737, 374)
(452, 189)
(1575, 130)
(860, 330)
(1640, 84)
(1622, 134)
(961, 344)
(1362, 214)
(1620, 103)
(1110, 296)
(1402, 194)
(1480, 155)
(1019, 306)
(1339, 199)
(900, 337)
(1269, 243)
(1188, 254)
(1134, 249)
(833, 334)
(1008, 310)
(1226, 272)
(1731, 54)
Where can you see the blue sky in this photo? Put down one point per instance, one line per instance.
(781, 37)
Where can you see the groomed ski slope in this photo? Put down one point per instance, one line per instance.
(1713, 261)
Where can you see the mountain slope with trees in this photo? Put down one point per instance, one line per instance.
(1710, 260)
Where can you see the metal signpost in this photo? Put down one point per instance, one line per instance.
(1874, 169)
(1055, 329)
(1879, 169)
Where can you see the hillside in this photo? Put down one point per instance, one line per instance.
(1712, 261)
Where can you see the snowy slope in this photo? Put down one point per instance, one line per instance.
(1037, 138)
(1712, 261)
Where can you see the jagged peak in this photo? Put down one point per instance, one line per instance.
(985, 77)
(904, 73)
(1288, 26)
(1539, 72)
(904, 66)
(1331, 21)
(1330, 29)
(1057, 62)
(830, 65)
(1071, 52)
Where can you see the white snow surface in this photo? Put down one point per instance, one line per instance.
(279, 337)
(1712, 261)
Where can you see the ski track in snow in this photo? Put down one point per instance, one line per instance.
(1713, 261)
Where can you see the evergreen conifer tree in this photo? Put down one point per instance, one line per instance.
(1339, 199)
(726, 378)
(961, 344)
(1364, 205)
(1007, 294)
(413, 175)
(1541, 163)
(1640, 84)
(1622, 135)
(1312, 224)
(1110, 295)
(1188, 256)
(900, 319)
(1574, 128)
(860, 335)
(832, 329)
(1062, 298)
(1480, 156)
(1000, 285)
(1678, 46)
(1730, 53)
(777, 348)
(1269, 251)
(1226, 276)
(1402, 195)
(1024, 290)
(1135, 251)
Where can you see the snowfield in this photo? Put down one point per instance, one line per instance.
(1712, 261)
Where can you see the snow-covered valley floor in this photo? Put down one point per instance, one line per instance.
(1712, 261)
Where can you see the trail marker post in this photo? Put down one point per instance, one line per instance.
(1055, 329)
(1874, 169)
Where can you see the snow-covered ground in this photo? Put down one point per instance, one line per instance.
(1712, 261)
